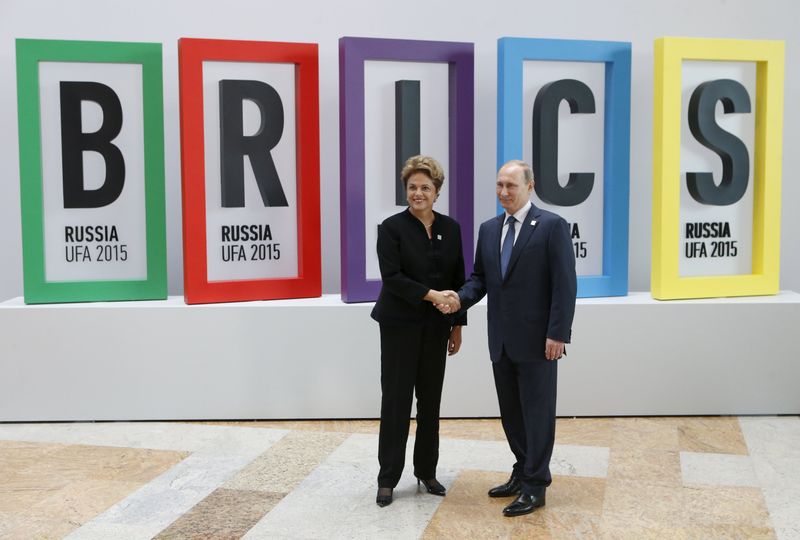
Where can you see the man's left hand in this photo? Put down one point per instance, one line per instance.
(553, 350)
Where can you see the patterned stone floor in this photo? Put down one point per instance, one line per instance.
(696, 477)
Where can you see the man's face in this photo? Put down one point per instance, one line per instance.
(512, 191)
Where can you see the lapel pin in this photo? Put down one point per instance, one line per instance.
(533, 222)
(438, 236)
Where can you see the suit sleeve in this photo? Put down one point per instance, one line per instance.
(391, 265)
(460, 318)
(563, 281)
(475, 288)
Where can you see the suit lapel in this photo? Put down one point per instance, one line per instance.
(494, 241)
(526, 229)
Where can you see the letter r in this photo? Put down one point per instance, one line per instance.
(234, 145)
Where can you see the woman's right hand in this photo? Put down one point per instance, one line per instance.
(445, 301)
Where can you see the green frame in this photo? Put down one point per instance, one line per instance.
(30, 52)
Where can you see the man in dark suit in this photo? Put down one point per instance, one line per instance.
(524, 262)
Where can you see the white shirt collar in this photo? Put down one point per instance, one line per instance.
(520, 214)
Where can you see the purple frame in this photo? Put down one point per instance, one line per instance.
(352, 54)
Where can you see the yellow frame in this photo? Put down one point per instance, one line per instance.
(665, 280)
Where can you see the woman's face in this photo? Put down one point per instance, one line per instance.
(420, 192)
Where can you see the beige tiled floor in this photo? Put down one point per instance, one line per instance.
(52, 489)
(718, 435)
(48, 490)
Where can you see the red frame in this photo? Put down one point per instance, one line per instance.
(308, 283)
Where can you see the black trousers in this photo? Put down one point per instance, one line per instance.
(412, 359)
(526, 392)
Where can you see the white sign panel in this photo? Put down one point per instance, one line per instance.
(580, 150)
(716, 240)
(255, 241)
(106, 242)
(379, 139)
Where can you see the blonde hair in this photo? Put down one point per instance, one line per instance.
(423, 164)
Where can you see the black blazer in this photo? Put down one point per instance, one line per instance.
(411, 264)
(536, 299)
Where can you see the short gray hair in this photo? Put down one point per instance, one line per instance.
(527, 171)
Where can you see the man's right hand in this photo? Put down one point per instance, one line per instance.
(450, 302)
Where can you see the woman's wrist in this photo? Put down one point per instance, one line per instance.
(432, 296)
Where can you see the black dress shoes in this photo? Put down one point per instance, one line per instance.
(512, 487)
(384, 497)
(524, 504)
(433, 486)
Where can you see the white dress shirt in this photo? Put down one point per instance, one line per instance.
(519, 215)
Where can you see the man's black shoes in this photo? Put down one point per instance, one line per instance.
(512, 487)
(524, 504)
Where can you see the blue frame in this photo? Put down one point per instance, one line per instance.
(616, 55)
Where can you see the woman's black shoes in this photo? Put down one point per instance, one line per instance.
(433, 486)
(384, 497)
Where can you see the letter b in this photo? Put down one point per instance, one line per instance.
(74, 142)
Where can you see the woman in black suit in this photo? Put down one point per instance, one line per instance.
(419, 252)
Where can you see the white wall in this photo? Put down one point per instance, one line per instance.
(323, 22)
(254, 360)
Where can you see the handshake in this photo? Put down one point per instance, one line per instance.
(445, 301)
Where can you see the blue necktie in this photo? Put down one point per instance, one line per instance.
(508, 246)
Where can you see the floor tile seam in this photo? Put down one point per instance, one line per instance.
(128, 445)
(155, 526)
(633, 449)
(716, 451)
(283, 494)
(504, 441)
(772, 506)
(322, 449)
(345, 523)
(97, 435)
(691, 485)
(661, 525)
(555, 476)
(720, 454)
(638, 484)
(363, 499)
(198, 511)
(75, 428)
(164, 489)
(740, 462)
(633, 477)
(582, 448)
(706, 520)
(503, 445)
(4, 489)
(104, 444)
(252, 453)
(549, 508)
(583, 475)
(289, 488)
(776, 510)
(219, 448)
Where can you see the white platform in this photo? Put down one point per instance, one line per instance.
(319, 358)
